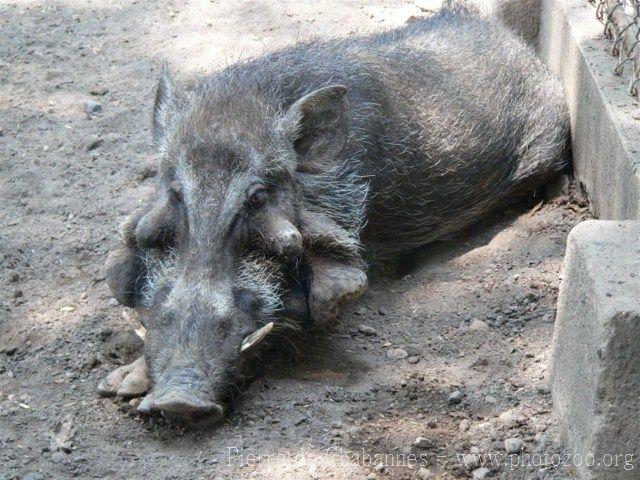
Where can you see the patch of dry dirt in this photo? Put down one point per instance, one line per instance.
(474, 316)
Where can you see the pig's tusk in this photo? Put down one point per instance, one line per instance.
(256, 337)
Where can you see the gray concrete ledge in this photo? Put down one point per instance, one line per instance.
(595, 362)
(605, 134)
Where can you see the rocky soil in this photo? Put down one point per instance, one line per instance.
(437, 373)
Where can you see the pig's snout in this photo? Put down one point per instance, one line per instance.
(283, 237)
(182, 398)
(291, 241)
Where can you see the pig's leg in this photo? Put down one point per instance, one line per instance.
(334, 284)
(127, 381)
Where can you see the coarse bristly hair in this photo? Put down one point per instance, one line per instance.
(449, 117)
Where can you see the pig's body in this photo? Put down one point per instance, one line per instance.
(448, 119)
(273, 171)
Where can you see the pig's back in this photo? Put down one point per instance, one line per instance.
(449, 117)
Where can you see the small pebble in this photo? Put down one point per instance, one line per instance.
(464, 425)
(367, 330)
(422, 442)
(91, 106)
(478, 325)
(481, 473)
(471, 461)
(456, 397)
(58, 457)
(424, 474)
(113, 302)
(513, 445)
(490, 399)
(382, 311)
(99, 91)
(17, 293)
(413, 359)
(397, 353)
(432, 423)
(94, 142)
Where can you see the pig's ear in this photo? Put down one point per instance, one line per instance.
(170, 100)
(318, 125)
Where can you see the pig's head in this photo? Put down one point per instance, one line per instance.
(221, 235)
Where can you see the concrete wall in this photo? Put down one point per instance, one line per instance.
(595, 370)
(605, 120)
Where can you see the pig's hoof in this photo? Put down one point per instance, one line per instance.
(127, 381)
(334, 285)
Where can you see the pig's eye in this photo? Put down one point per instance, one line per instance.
(257, 196)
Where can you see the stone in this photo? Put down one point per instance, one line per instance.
(464, 425)
(594, 368)
(91, 107)
(99, 91)
(367, 330)
(471, 461)
(456, 397)
(422, 442)
(397, 353)
(478, 326)
(58, 457)
(94, 142)
(481, 473)
(424, 474)
(62, 435)
(513, 445)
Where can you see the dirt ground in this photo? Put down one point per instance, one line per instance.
(454, 350)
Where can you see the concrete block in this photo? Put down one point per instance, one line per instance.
(605, 130)
(595, 363)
